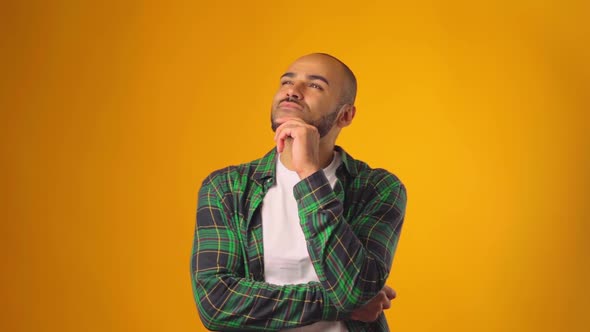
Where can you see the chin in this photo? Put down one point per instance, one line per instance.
(286, 113)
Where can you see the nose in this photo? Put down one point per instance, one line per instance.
(294, 91)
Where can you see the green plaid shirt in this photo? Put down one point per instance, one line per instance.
(351, 232)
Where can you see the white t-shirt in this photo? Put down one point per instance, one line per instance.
(286, 260)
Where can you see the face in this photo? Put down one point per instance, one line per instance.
(310, 90)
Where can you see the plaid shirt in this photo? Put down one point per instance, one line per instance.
(351, 232)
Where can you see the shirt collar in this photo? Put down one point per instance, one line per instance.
(351, 166)
(266, 167)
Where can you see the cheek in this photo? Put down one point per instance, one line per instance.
(322, 105)
(280, 93)
(277, 97)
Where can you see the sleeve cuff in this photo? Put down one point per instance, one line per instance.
(313, 193)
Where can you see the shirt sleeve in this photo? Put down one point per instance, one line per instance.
(226, 299)
(352, 256)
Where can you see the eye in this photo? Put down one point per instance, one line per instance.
(316, 86)
(286, 83)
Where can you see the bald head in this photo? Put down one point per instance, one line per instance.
(349, 87)
(318, 89)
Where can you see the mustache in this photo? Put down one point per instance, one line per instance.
(291, 100)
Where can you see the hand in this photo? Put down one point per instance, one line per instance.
(301, 142)
(372, 309)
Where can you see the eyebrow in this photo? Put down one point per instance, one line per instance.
(309, 77)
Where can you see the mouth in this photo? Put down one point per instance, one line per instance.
(290, 105)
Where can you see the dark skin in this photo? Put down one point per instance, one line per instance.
(372, 309)
(313, 87)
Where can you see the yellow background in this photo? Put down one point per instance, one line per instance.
(113, 112)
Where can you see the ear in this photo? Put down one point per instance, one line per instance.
(347, 114)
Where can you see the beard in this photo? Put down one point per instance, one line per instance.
(323, 124)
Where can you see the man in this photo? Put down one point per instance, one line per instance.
(304, 237)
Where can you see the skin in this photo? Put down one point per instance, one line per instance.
(302, 101)
(372, 309)
(309, 98)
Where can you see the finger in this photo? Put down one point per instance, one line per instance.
(293, 123)
(294, 128)
(284, 135)
(279, 130)
(383, 299)
(280, 146)
(285, 131)
(390, 292)
(386, 304)
(285, 122)
(282, 142)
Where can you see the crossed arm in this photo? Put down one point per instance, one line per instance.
(351, 257)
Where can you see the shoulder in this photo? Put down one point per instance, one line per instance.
(378, 181)
(383, 183)
(235, 177)
(381, 177)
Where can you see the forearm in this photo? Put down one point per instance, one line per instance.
(345, 266)
(351, 257)
(228, 303)
(227, 296)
